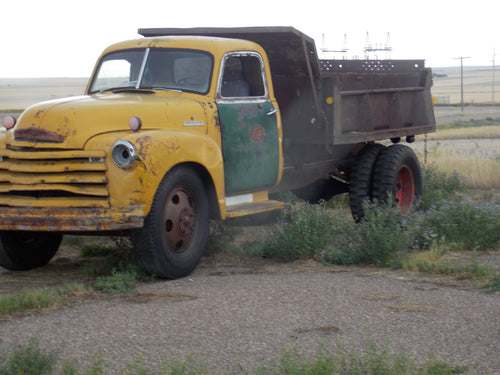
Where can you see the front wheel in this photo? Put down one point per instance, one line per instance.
(398, 175)
(20, 251)
(175, 232)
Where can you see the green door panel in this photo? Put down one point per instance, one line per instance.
(250, 145)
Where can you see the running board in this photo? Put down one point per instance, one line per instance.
(251, 208)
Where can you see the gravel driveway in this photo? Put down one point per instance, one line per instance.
(235, 317)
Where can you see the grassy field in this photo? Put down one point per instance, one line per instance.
(480, 85)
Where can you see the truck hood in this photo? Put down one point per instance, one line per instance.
(69, 123)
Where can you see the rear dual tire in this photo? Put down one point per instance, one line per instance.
(381, 173)
(360, 187)
(398, 177)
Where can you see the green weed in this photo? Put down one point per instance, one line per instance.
(118, 282)
(301, 231)
(28, 359)
(374, 240)
(32, 359)
(461, 224)
(38, 299)
(434, 261)
(373, 360)
(439, 187)
(494, 285)
(118, 257)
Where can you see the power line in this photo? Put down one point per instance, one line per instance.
(377, 47)
(462, 79)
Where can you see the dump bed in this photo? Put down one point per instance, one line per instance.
(339, 102)
(376, 99)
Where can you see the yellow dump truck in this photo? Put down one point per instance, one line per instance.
(186, 125)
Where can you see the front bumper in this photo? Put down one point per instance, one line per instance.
(71, 219)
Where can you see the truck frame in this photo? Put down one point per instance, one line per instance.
(219, 120)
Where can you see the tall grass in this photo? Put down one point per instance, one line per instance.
(478, 172)
(445, 132)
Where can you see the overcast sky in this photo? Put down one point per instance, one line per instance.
(63, 38)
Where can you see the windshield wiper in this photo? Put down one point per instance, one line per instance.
(126, 89)
(166, 89)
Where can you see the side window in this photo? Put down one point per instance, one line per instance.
(242, 76)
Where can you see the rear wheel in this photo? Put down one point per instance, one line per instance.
(398, 176)
(21, 251)
(175, 233)
(360, 187)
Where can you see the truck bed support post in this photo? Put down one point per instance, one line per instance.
(311, 79)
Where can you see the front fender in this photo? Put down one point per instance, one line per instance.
(159, 151)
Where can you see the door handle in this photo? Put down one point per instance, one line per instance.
(272, 111)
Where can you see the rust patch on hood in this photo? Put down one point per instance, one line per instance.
(37, 134)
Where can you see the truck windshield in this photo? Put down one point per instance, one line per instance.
(162, 69)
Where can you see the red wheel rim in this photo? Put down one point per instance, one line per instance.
(179, 219)
(405, 191)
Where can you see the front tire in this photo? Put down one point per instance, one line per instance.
(175, 232)
(21, 251)
(398, 176)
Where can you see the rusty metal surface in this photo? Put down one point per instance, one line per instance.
(71, 220)
(377, 100)
(373, 66)
(38, 134)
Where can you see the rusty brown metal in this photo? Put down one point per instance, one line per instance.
(71, 220)
(37, 134)
(377, 100)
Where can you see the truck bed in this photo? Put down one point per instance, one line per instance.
(376, 100)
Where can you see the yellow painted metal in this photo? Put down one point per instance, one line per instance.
(245, 209)
(44, 166)
(260, 203)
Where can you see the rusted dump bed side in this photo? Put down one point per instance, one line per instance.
(375, 100)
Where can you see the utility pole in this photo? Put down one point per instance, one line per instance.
(462, 79)
(493, 80)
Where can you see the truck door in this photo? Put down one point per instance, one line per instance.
(250, 137)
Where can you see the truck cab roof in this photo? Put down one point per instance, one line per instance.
(286, 47)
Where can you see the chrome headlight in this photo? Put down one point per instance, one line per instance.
(124, 154)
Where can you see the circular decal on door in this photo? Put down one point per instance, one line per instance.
(257, 133)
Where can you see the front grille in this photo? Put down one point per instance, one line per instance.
(53, 178)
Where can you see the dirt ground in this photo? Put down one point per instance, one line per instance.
(234, 315)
